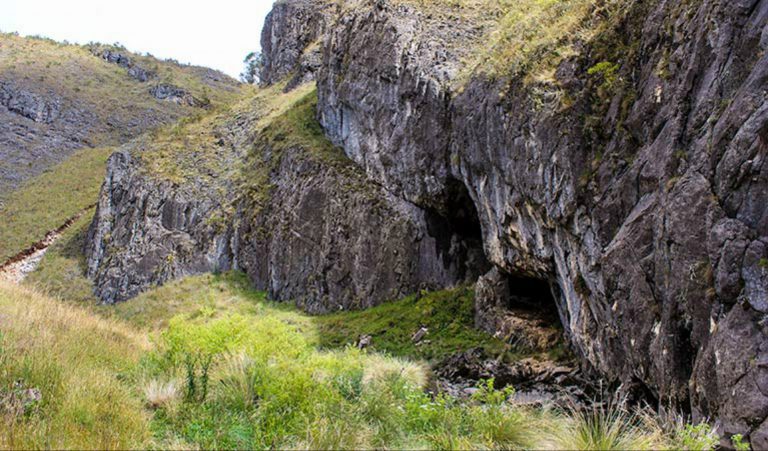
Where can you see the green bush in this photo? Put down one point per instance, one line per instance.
(739, 444)
(698, 437)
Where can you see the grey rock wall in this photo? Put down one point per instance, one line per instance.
(290, 40)
(645, 206)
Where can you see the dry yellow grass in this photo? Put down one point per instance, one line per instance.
(80, 363)
(190, 150)
(522, 37)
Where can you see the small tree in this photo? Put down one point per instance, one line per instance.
(254, 65)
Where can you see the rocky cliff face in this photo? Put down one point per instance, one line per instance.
(634, 182)
(297, 216)
(329, 239)
(290, 40)
(147, 231)
(620, 177)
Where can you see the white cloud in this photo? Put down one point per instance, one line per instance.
(216, 34)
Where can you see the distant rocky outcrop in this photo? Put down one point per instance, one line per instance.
(28, 104)
(124, 61)
(55, 99)
(176, 95)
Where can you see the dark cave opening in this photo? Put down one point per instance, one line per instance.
(532, 294)
(458, 233)
(459, 239)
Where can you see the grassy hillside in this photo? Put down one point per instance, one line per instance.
(207, 362)
(46, 201)
(56, 98)
(79, 74)
(99, 104)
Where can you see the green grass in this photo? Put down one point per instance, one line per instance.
(45, 202)
(207, 362)
(274, 380)
(448, 316)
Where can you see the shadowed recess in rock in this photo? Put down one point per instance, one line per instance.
(518, 309)
(458, 233)
(527, 293)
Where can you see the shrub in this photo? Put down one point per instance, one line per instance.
(739, 444)
(700, 437)
(197, 346)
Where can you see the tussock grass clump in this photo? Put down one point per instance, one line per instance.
(161, 394)
(613, 426)
(694, 437)
(599, 428)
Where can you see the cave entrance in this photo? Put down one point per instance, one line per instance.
(458, 233)
(531, 294)
(521, 310)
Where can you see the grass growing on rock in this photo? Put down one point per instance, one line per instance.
(522, 37)
(207, 362)
(209, 146)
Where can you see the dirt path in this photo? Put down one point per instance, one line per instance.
(16, 268)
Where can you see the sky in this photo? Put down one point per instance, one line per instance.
(212, 33)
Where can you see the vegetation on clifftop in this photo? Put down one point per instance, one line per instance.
(527, 37)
